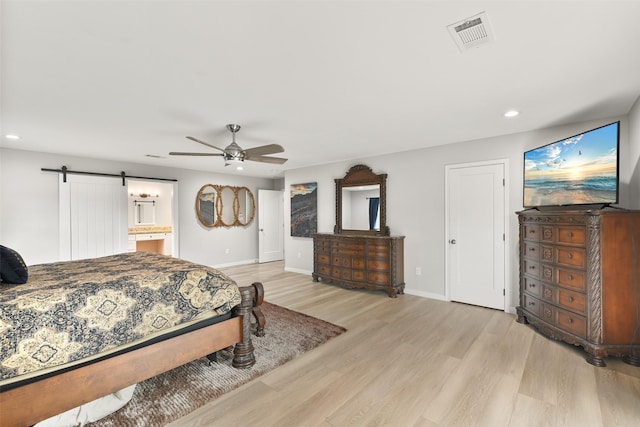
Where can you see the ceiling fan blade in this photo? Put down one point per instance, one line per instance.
(205, 143)
(262, 150)
(265, 159)
(178, 153)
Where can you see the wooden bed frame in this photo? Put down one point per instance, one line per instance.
(30, 403)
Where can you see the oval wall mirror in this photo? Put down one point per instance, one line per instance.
(227, 196)
(246, 208)
(206, 203)
(225, 206)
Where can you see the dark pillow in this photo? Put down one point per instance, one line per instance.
(12, 266)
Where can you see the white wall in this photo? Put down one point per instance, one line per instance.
(415, 199)
(29, 207)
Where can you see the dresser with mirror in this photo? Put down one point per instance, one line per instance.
(361, 252)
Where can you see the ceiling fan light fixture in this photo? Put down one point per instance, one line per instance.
(233, 162)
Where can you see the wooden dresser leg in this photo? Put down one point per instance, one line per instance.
(632, 360)
(595, 361)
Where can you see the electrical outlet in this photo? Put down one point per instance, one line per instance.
(418, 271)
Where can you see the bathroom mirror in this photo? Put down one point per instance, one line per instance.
(225, 206)
(361, 205)
(144, 212)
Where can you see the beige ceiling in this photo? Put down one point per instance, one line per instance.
(327, 80)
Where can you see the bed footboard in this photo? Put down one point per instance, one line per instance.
(252, 296)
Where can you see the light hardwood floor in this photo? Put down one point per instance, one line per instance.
(413, 361)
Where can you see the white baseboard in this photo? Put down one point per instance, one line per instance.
(233, 264)
(298, 270)
(429, 295)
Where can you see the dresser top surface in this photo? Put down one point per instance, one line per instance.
(356, 236)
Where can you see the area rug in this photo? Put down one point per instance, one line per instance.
(174, 394)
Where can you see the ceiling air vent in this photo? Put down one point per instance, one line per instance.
(471, 32)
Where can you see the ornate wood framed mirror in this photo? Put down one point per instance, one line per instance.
(361, 202)
(225, 206)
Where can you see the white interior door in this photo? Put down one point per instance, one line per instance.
(476, 234)
(270, 225)
(93, 217)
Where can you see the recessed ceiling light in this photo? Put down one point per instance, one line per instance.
(511, 113)
(12, 136)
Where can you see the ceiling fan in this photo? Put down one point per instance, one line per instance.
(233, 154)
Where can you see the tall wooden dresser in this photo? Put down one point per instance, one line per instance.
(580, 279)
(360, 261)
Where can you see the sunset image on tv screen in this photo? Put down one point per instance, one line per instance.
(579, 170)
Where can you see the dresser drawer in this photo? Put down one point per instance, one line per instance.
(549, 293)
(324, 270)
(344, 261)
(572, 300)
(323, 258)
(572, 323)
(546, 253)
(531, 304)
(378, 264)
(571, 235)
(531, 268)
(378, 250)
(571, 279)
(342, 273)
(574, 257)
(378, 277)
(531, 250)
(358, 262)
(532, 286)
(531, 232)
(357, 275)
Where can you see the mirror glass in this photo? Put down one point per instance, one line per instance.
(361, 207)
(145, 212)
(227, 196)
(245, 205)
(206, 205)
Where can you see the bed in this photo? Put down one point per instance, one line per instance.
(80, 330)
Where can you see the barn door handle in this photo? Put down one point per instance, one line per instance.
(452, 241)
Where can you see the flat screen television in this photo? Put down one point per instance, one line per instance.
(580, 170)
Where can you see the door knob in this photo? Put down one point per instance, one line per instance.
(262, 229)
(452, 241)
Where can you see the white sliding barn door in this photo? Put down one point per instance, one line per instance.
(476, 265)
(93, 217)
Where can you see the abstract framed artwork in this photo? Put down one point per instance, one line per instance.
(304, 209)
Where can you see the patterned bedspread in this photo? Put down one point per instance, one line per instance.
(71, 310)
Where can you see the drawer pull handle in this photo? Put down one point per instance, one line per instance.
(532, 267)
(532, 303)
(532, 231)
(570, 299)
(569, 256)
(532, 285)
(569, 277)
(569, 234)
(569, 320)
